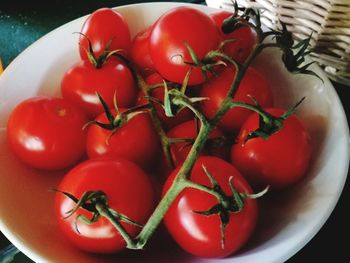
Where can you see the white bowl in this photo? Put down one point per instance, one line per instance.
(287, 223)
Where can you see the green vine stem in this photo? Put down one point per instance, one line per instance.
(104, 211)
(165, 143)
(180, 182)
(251, 107)
(203, 188)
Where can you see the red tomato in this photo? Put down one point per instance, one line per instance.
(280, 160)
(189, 130)
(140, 52)
(245, 38)
(199, 234)
(158, 93)
(137, 140)
(81, 82)
(128, 191)
(167, 42)
(46, 132)
(102, 27)
(253, 84)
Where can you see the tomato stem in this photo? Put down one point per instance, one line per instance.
(268, 124)
(239, 74)
(255, 108)
(179, 140)
(181, 179)
(159, 213)
(203, 188)
(104, 211)
(165, 143)
(183, 101)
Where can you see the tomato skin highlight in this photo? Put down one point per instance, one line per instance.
(167, 38)
(128, 190)
(102, 27)
(281, 160)
(46, 132)
(201, 235)
(253, 84)
(81, 82)
(137, 140)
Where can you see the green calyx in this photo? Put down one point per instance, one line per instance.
(206, 64)
(227, 204)
(241, 17)
(120, 119)
(269, 124)
(96, 203)
(175, 101)
(293, 54)
(98, 62)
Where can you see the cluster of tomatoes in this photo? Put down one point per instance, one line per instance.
(102, 132)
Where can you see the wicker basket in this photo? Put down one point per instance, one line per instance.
(327, 20)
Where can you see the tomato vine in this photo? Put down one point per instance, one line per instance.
(293, 56)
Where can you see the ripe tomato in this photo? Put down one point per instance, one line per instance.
(139, 52)
(104, 26)
(253, 84)
(199, 234)
(244, 38)
(128, 191)
(137, 140)
(280, 160)
(167, 42)
(81, 82)
(158, 94)
(46, 132)
(189, 130)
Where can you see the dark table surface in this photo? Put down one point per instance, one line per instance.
(23, 22)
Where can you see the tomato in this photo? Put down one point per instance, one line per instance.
(200, 234)
(128, 191)
(139, 52)
(46, 132)
(103, 27)
(244, 38)
(253, 84)
(137, 140)
(158, 94)
(81, 82)
(167, 42)
(189, 130)
(279, 161)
